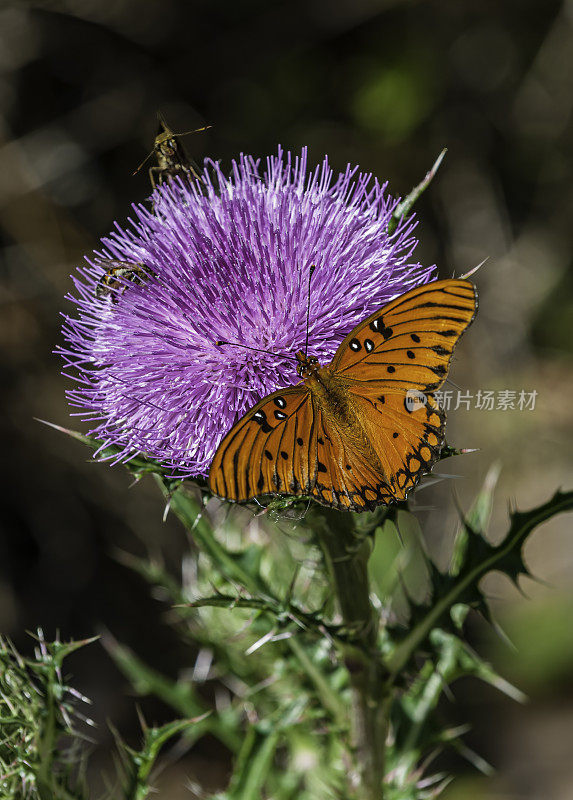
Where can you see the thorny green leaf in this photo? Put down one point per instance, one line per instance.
(137, 765)
(39, 716)
(479, 558)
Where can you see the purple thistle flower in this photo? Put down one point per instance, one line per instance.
(229, 260)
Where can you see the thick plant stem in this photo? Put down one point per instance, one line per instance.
(346, 554)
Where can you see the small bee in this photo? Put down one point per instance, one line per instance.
(172, 160)
(117, 274)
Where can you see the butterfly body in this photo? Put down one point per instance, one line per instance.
(360, 431)
(331, 393)
(328, 390)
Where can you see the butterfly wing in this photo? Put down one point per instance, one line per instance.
(390, 364)
(408, 344)
(348, 477)
(406, 436)
(271, 450)
(291, 443)
(382, 458)
(286, 445)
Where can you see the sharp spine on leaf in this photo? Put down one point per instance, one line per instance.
(461, 586)
(474, 269)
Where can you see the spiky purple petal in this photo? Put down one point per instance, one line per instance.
(230, 261)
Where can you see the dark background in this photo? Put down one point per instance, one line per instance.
(382, 83)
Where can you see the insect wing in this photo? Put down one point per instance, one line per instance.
(271, 450)
(408, 344)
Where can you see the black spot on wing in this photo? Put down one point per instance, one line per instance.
(260, 418)
(377, 325)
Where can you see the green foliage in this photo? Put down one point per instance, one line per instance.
(135, 766)
(422, 658)
(287, 657)
(474, 556)
(287, 698)
(181, 696)
(431, 650)
(39, 756)
(43, 749)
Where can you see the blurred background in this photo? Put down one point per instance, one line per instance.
(383, 83)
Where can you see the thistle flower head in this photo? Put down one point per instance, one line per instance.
(228, 259)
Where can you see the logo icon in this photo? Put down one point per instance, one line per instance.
(415, 400)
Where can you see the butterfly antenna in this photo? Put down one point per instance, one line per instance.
(311, 270)
(220, 342)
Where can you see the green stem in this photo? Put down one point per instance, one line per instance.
(346, 554)
(47, 744)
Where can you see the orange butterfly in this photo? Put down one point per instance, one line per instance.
(362, 430)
